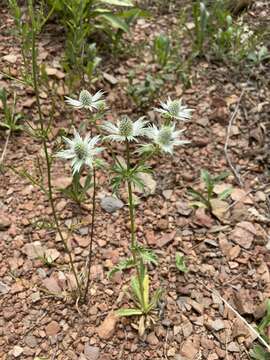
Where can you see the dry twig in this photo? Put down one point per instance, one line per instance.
(263, 342)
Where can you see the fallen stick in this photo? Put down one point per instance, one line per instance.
(239, 316)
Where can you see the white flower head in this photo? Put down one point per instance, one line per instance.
(87, 101)
(81, 151)
(125, 129)
(166, 137)
(175, 109)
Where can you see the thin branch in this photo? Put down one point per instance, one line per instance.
(234, 171)
(239, 316)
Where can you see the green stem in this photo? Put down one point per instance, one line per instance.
(47, 157)
(91, 235)
(132, 228)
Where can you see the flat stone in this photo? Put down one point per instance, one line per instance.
(152, 339)
(4, 221)
(17, 351)
(106, 329)
(183, 208)
(187, 328)
(189, 350)
(166, 239)
(62, 182)
(91, 352)
(53, 328)
(111, 204)
(217, 325)
(233, 347)
(196, 306)
(52, 284)
(9, 313)
(33, 250)
(243, 234)
(4, 289)
(31, 341)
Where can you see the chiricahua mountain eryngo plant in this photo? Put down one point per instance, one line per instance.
(148, 141)
(141, 141)
(83, 153)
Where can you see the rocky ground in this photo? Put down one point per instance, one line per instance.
(227, 254)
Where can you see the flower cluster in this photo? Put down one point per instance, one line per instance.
(87, 101)
(83, 151)
(174, 109)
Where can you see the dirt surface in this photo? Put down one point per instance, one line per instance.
(228, 253)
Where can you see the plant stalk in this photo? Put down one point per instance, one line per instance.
(132, 228)
(45, 148)
(90, 253)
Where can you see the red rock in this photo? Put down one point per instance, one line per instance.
(91, 352)
(150, 237)
(106, 329)
(189, 350)
(202, 219)
(166, 239)
(53, 328)
(244, 234)
(52, 284)
(152, 339)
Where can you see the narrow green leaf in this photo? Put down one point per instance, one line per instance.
(197, 196)
(115, 21)
(155, 298)
(221, 176)
(122, 265)
(136, 289)
(127, 3)
(226, 193)
(259, 353)
(129, 312)
(180, 263)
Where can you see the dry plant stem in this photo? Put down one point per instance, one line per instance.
(5, 148)
(48, 161)
(132, 225)
(239, 316)
(89, 261)
(235, 173)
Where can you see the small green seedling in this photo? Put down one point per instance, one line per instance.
(76, 191)
(144, 306)
(204, 198)
(259, 56)
(47, 260)
(162, 50)
(258, 352)
(181, 263)
(10, 119)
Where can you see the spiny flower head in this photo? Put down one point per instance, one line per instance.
(81, 151)
(125, 130)
(174, 109)
(87, 101)
(166, 137)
